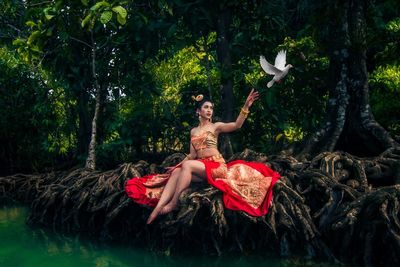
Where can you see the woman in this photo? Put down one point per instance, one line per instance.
(247, 186)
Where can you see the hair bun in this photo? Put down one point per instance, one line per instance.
(197, 98)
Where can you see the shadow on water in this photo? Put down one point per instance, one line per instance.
(23, 246)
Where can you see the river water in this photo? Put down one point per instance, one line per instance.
(24, 246)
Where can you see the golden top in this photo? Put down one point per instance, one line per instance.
(205, 140)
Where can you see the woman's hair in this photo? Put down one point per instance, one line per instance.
(200, 104)
(200, 100)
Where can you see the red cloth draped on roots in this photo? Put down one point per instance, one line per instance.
(246, 186)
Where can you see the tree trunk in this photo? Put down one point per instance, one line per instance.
(224, 59)
(349, 125)
(84, 122)
(91, 159)
(208, 66)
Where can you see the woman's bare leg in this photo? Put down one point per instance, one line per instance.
(167, 194)
(192, 170)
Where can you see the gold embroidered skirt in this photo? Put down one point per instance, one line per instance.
(246, 186)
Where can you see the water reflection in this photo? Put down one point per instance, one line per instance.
(23, 246)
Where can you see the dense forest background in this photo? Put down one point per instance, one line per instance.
(127, 70)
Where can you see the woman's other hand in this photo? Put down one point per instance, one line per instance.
(253, 96)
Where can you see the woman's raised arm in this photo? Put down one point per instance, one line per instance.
(222, 127)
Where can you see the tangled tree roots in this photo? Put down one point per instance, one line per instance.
(331, 207)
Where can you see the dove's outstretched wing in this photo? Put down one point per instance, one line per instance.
(280, 60)
(268, 68)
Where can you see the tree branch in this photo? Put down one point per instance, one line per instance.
(80, 41)
(41, 3)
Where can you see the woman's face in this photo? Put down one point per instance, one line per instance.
(206, 110)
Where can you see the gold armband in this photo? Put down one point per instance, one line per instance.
(244, 113)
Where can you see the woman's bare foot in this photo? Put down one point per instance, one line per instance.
(154, 214)
(168, 208)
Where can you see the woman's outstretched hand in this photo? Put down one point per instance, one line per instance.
(253, 96)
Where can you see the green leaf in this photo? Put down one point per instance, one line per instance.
(86, 20)
(170, 11)
(30, 23)
(49, 32)
(46, 13)
(121, 20)
(105, 17)
(18, 41)
(64, 36)
(394, 26)
(279, 136)
(35, 48)
(99, 5)
(120, 11)
(85, 2)
(32, 37)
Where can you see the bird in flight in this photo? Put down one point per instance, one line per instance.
(280, 70)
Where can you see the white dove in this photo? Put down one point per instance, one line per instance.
(279, 70)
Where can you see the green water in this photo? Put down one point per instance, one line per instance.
(23, 246)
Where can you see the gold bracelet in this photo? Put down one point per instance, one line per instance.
(244, 113)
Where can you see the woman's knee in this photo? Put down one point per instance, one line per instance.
(194, 167)
(187, 165)
(190, 165)
(176, 171)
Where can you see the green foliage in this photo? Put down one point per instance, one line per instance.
(394, 27)
(11, 24)
(184, 67)
(149, 68)
(287, 111)
(50, 12)
(388, 76)
(103, 11)
(105, 17)
(34, 35)
(120, 11)
(121, 20)
(86, 20)
(32, 119)
(291, 134)
(100, 5)
(385, 79)
(385, 96)
(31, 47)
(30, 23)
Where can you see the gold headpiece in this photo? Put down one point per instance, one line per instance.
(197, 98)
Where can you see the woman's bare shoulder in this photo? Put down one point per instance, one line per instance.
(193, 131)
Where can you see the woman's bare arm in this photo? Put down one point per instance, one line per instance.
(223, 127)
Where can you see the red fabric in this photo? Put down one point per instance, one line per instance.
(146, 190)
(233, 201)
(137, 191)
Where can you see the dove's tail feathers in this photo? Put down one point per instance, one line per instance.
(270, 83)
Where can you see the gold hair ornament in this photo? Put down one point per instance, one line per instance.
(197, 98)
